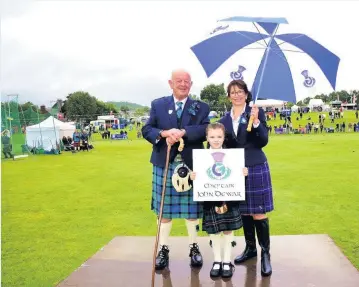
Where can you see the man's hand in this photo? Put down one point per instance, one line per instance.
(173, 134)
(170, 141)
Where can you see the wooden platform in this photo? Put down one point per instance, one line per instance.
(297, 261)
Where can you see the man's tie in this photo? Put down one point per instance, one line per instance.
(179, 109)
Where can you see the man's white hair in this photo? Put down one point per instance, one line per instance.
(179, 70)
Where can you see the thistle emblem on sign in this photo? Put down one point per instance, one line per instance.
(218, 170)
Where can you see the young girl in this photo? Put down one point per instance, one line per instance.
(220, 216)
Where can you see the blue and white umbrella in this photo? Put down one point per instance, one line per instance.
(282, 66)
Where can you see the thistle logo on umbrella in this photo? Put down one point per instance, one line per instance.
(218, 170)
(309, 81)
(237, 75)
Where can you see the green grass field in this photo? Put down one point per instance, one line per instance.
(58, 210)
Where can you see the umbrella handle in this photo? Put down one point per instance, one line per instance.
(250, 123)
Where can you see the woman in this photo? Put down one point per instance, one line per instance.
(259, 199)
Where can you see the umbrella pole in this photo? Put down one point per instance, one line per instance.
(251, 119)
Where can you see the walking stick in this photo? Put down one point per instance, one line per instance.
(180, 148)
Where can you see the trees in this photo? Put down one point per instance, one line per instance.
(81, 106)
(27, 105)
(125, 110)
(322, 97)
(141, 112)
(110, 108)
(215, 96)
(194, 97)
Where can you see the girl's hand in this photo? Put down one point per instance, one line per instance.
(192, 175)
(245, 171)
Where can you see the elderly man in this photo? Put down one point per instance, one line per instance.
(171, 118)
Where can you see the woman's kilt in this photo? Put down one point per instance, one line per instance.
(213, 222)
(258, 185)
(176, 204)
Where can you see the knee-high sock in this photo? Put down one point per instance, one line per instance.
(192, 230)
(216, 246)
(227, 250)
(165, 231)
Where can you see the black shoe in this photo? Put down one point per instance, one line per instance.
(162, 258)
(227, 273)
(216, 272)
(196, 256)
(250, 237)
(262, 227)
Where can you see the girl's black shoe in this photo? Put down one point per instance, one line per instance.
(216, 272)
(227, 273)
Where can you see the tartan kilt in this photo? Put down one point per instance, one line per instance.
(176, 204)
(213, 222)
(258, 185)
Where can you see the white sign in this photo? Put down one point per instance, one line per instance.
(219, 175)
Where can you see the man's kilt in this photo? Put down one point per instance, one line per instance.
(176, 204)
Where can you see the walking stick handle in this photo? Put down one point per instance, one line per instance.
(181, 146)
(250, 123)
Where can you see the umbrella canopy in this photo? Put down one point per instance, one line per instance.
(273, 76)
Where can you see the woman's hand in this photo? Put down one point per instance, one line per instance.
(254, 113)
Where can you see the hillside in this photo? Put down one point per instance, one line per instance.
(131, 106)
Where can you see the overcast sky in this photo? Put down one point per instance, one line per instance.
(125, 51)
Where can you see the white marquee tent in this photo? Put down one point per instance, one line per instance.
(47, 133)
(315, 103)
(294, 108)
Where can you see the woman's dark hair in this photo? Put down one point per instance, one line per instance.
(242, 85)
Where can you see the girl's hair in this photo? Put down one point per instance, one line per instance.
(242, 85)
(214, 126)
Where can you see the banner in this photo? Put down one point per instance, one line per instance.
(219, 175)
